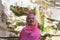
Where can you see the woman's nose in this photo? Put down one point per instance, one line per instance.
(32, 20)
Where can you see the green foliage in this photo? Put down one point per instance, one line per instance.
(40, 27)
(42, 18)
(46, 29)
(14, 11)
(34, 11)
(49, 3)
(49, 38)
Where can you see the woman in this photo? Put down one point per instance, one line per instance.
(31, 31)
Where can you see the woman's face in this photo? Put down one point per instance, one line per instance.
(30, 20)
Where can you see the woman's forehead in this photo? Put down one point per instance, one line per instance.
(31, 17)
(31, 14)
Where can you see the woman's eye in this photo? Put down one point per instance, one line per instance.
(32, 18)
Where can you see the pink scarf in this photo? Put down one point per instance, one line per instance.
(30, 32)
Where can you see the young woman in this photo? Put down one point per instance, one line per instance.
(31, 31)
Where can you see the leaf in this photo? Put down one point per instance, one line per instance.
(40, 27)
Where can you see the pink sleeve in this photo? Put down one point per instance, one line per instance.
(21, 34)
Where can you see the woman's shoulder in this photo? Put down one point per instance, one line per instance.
(24, 28)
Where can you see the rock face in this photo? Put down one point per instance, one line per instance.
(3, 25)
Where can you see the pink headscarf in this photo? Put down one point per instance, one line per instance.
(30, 33)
